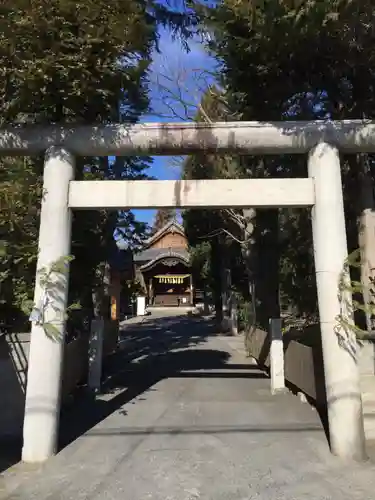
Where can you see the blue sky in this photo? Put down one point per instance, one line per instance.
(177, 81)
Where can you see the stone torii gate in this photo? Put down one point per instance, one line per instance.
(321, 190)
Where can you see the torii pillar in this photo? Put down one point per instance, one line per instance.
(344, 403)
(42, 408)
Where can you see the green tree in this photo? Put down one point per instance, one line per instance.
(63, 62)
(216, 237)
(20, 191)
(294, 60)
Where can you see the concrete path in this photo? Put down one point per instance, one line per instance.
(185, 416)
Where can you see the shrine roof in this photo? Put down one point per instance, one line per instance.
(156, 253)
(171, 227)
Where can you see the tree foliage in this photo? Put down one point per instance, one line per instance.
(215, 238)
(20, 192)
(282, 60)
(68, 62)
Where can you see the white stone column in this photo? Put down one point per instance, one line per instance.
(233, 314)
(330, 251)
(276, 356)
(191, 290)
(96, 355)
(42, 408)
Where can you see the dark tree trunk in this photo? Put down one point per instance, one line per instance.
(267, 268)
(216, 261)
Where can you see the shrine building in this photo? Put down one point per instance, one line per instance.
(163, 267)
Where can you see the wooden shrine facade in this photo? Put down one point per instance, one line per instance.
(163, 268)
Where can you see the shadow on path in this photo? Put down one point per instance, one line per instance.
(149, 352)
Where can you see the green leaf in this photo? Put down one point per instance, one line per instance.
(52, 332)
(74, 307)
(61, 265)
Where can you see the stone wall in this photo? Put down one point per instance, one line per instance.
(75, 365)
(303, 364)
(14, 354)
(110, 341)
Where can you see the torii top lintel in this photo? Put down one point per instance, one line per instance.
(284, 137)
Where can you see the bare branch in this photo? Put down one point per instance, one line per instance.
(218, 232)
(204, 114)
(243, 221)
(180, 88)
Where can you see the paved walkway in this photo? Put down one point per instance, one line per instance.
(185, 416)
